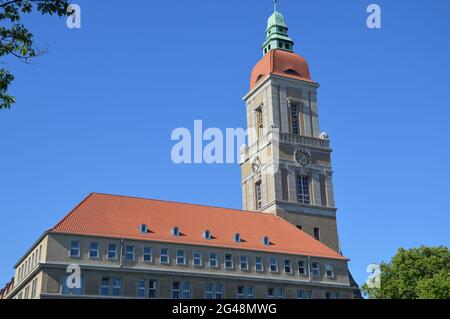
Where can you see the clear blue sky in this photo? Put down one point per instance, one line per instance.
(95, 113)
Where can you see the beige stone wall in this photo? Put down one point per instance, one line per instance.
(326, 225)
(165, 281)
(58, 246)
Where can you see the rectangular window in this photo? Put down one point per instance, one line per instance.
(181, 257)
(104, 287)
(303, 190)
(74, 249)
(176, 290)
(332, 295)
(317, 233)
(273, 264)
(315, 269)
(240, 292)
(294, 119)
(186, 290)
(164, 256)
(258, 194)
(301, 267)
(303, 294)
(33, 260)
(33, 288)
(197, 259)
(329, 271)
(228, 261)
(39, 254)
(219, 291)
(213, 291)
(259, 265)
(213, 262)
(141, 288)
(250, 292)
(147, 257)
(280, 293)
(287, 266)
(93, 251)
(152, 286)
(209, 290)
(116, 287)
(129, 252)
(112, 251)
(244, 263)
(270, 293)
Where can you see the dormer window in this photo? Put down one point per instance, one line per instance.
(207, 235)
(266, 241)
(291, 71)
(176, 231)
(237, 238)
(143, 228)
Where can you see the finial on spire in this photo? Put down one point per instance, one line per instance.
(275, 5)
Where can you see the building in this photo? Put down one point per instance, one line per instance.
(283, 245)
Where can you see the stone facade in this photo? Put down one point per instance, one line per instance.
(47, 278)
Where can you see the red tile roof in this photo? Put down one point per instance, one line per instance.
(120, 217)
(282, 63)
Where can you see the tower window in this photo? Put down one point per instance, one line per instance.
(260, 117)
(258, 194)
(294, 119)
(303, 190)
(280, 45)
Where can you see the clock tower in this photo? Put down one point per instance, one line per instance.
(286, 166)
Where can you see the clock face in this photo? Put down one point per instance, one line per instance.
(302, 158)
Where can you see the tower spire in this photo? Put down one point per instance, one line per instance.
(277, 37)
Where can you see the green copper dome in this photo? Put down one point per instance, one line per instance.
(277, 37)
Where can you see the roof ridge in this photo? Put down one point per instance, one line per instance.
(182, 203)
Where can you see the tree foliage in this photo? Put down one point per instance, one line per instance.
(418, 273)
(16, 40)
